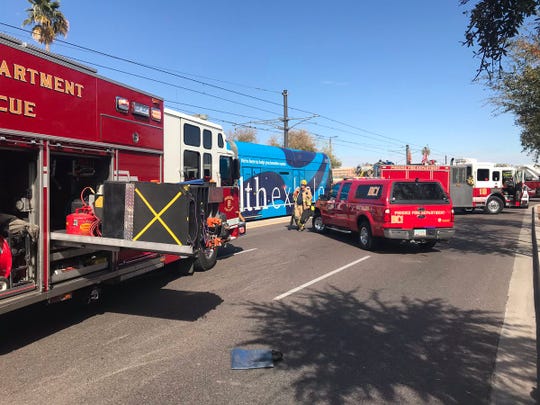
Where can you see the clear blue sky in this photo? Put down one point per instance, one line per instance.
(380, 73)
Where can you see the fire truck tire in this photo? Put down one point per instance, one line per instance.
(494, 205)
(365, 237)
(185, 266)
(206, 259)
(317, 224)
(4, 284)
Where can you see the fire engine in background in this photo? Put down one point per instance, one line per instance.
(531, 177)
(84, 163)
(469, 183)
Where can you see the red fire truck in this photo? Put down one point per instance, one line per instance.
(469, 183)
(531, 176)
(94, 189)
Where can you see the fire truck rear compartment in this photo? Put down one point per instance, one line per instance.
(18, 201)
(73, 178)
(69, 176)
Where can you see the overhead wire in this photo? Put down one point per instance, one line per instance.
(184, 76)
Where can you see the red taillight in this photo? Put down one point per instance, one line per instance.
(387, 215)
(452, 215)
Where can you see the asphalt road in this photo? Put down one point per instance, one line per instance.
(398, 325)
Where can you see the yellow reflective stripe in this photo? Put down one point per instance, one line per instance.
(157, 217)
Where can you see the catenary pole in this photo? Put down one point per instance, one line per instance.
(285, 121)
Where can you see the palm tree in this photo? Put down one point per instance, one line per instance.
(49, 21)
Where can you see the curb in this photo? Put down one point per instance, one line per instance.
(536, 290)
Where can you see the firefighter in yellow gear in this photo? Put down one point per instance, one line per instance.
(302, 201)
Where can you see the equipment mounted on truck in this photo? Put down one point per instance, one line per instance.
(83, 166)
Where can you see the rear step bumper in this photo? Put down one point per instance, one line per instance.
(419, 234)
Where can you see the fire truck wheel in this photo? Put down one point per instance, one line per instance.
(317, 224)
(185, 266)
(365, 238)
(494, 205)
(4, 284)
(206, 259)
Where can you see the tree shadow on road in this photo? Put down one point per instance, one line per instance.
(497, 235)
(346, 350)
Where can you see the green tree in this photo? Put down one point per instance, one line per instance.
(275, 141)
(492, 26)
(243, 135)
(518, 91)
(298, 139)
(334, 161)
(48, 20)
(302, 139)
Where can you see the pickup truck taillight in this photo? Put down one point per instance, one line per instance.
(387, 215)
(452, 215)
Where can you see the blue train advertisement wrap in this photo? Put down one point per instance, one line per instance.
(270, 174)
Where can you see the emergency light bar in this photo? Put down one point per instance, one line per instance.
(156, 114)
(140, 109)
(122, 104)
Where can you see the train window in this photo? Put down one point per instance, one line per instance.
(225, 170)
(207, 139)
(192, 165)
(192, 135)
(220, 141)
(207, 166)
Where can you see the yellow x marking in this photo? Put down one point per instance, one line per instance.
(157, 216)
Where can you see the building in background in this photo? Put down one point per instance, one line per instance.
(343, 172)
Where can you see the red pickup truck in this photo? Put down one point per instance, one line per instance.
(402, 209)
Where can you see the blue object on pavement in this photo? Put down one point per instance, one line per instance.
(244, 359)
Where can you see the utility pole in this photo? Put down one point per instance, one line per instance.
(285, 121)
(330, 143)
(407, 155)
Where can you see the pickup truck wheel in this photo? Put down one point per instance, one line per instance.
(4, 284)
(494, 205)
(318, 224)
(206, 259)
(365, 238)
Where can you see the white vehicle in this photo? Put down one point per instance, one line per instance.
(486, 185)
(195, 148)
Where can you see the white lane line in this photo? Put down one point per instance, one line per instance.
(286, 294)
(244, 251)
(237, 253)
